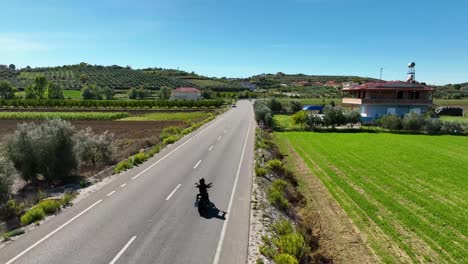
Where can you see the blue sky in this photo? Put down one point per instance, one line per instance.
(239, 38)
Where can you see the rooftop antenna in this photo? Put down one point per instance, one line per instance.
(411, 73)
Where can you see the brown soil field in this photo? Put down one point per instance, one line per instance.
(130, 136)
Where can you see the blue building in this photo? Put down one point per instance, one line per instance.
(374, 100)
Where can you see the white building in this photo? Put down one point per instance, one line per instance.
(186, 93)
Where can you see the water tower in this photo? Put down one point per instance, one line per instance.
(411, 72)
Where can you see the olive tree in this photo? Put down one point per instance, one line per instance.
(91, 148)
(7, 91)
(54, 91)
(6, 179)
(333, 116)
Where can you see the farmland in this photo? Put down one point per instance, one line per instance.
(406, 193)
(63, 115)
(176, 116)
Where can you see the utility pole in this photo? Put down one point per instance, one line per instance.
(381, 69)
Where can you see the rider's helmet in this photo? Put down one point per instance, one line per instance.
(202, 181)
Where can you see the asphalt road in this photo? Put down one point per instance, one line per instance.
(147, 215)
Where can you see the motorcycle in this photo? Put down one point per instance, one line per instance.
(202, 201)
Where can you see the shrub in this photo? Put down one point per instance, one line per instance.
(292, 244)
(432, 126)
(283, 227)
(170, 140)
(260, 172)
(11, 209)
(13, 233)
(276, 194)
(333, 116)
(7, 91)
(300, 118)
(275, 166)
(391, 122)
(32, 215)
(139, 158)
(285, 259)
(275, 105)
(413, 121)
(123, 166)
(170, 131)
(67, 199)
(313, 120)
(450, 127)
(49, 206)
(261, 111)
(91, 148)
(46, 149)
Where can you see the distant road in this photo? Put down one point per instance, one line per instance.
(147, 215)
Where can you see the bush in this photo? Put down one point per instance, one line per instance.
(313, 120)
(283, 227)
(7, 91)
(391, 122)
(276, 194)
(433, 126)
(32, 215)
(260, 172)
(300, 118)
(91, 148)
(285, 259)
(333, 116)
(275, 166)
(139, 158)
(13, 233)
(292, 244)
(275, 105)
(49, 206)
(413, 122)
(449, 127)
(67, 199)
(11, 209)
(170, 140)
(123, 166)
(170, 131)
(46, 149)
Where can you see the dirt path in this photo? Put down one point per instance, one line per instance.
(339, 238)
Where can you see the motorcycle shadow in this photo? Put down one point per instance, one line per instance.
(211, 211)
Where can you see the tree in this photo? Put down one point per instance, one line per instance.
(29, 92)
(7, 91)
(84, 78)
(275, 105)
(333, 116)
(300, 118)
(40, 86)
(413, 121)
(353, 117)
(164, 93)
(108, 92)
(12, 67)
(391, 122)
(92, 147)
(92, 91)
(46, 149)
(313, 121)
(6, 179)
(295, 106)
(54, 91)
(132, 93)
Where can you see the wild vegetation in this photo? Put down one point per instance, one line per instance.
(405, 192)
(109, 103)
(63, 115)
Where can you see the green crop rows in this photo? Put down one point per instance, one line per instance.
(177, 116)
(407, 193)
(63, 115)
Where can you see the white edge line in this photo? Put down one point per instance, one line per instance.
(123, 250)
(223, 231)
(169, 196)
(211, 148)
(198, 163)
(123, 185)
(52, 233)
(219, 138)
(167, 155)
(111, 193)
(225, 131)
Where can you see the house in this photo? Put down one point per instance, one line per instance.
(317, 83)
(248, 85)
(374, 100)
(3, 66)
(186, 93)
(348, 85)
(332, 84)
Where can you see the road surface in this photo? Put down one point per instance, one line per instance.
(147, 215)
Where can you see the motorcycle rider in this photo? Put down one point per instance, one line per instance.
(203, 189)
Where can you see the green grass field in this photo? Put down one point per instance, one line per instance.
(63, 115)
(72, 94)
(171, 116)
(461, 119)
(406, 193)
(284, 122)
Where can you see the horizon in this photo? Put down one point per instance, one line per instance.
(242, 39)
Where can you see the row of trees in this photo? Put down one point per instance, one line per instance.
(332, 117)
(94, 92)
(41, 88)
(417, 123)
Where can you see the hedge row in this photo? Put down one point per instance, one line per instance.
(109, 103)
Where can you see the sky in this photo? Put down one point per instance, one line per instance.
(241, 38)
